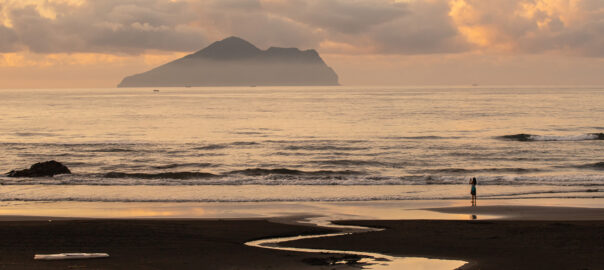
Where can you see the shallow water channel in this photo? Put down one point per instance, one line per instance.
(368, 260)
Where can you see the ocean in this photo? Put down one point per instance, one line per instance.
(264, 144)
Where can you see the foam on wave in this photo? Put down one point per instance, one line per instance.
(574, 193)
(273, 177)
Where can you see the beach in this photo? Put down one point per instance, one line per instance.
(531, 238)
(324, 134)
(193, 178)
(147, 244)
(537, 237)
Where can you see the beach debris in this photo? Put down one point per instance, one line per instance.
(70, 256)
(41, 169)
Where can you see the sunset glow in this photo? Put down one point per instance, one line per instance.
(132, 36)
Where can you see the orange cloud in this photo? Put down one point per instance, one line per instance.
(335, 47)
(27, 59)
(471, 20)
(572, 27)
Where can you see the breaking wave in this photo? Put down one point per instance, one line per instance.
(287, 177)
(596, 166)
(165, 175)
(522, 137)
(481, 170)
(151, 197)
(246, 172)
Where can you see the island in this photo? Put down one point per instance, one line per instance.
(236, 62)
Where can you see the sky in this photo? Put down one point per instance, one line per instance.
(95, 43)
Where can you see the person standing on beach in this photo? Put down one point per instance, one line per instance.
(473, 190)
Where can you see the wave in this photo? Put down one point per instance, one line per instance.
(246, 172)
(315, 141)
(248, 133)
(417, 138)
(597, 166)
(176, 165)
(272, 177)
(224, 145)
(481, 170)
(90, 144)
(323, 148)
(536, 194)
(164, 175)
(523, 137)
(244, 143)
(111, 150)
(35, 134)
(284, 171)
(348, 162)
(211, 147)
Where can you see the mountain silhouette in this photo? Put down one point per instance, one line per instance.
(236, 62)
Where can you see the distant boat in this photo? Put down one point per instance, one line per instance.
(187, 86)
(474, 84)
(155, 90)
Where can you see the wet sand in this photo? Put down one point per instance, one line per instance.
(528, 212)
(149, 244)
(525, 237)
(511, 243)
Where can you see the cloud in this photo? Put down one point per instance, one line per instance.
(573, 27)
(426, 29)
(409, 27)
(342, 16)
(250, 20)
(8, 40)
(375, 26)
(108, 26)
(337, 26)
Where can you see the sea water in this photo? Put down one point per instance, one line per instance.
(223, 144)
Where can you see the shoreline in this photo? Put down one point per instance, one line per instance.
(336, 210)
(487, 212)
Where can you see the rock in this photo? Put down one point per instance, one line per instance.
(41, 169)
(236, 62)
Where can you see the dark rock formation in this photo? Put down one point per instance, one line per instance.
(47, 168)
(236, 62)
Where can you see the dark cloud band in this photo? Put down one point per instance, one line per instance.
(369, 26)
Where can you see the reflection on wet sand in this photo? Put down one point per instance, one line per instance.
(332, 210)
